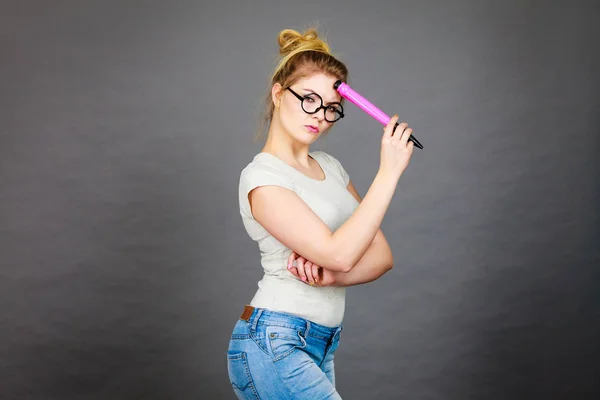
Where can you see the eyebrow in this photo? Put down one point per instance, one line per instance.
(311, 90)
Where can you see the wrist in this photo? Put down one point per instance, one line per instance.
(387, 176)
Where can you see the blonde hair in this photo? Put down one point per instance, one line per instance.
(304, 54)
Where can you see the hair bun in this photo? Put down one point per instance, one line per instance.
(291, 40)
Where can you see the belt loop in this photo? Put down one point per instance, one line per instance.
(336, 334)
(307, 328)
(256, 318)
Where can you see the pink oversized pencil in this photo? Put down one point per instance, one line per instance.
(348, 93)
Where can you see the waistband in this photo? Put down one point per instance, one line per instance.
(258, 316)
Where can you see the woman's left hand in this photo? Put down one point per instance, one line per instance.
(309, 272)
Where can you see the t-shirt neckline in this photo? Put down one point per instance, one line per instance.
(298, 172)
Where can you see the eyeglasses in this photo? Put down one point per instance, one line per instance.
(312, 103)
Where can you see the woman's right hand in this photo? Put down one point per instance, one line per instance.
(396, 150)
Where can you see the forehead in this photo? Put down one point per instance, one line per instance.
(321, 84)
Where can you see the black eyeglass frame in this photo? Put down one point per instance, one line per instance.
(340, 112)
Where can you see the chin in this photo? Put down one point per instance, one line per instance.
(310, 138)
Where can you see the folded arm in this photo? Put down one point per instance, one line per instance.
(292, 222)
(376, 261)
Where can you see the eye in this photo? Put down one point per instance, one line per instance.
(311, 98)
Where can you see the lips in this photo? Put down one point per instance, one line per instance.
(312, 128)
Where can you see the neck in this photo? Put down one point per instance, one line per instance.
(286, 148)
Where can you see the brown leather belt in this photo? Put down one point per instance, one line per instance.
(247, 313)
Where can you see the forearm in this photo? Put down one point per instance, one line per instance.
(375, 262)
(352, 240)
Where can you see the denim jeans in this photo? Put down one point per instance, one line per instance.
(274, 355)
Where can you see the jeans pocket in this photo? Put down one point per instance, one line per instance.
(282, 341)
(239, 376)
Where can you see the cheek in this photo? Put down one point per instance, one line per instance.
(290, 116)
(288, 113)
(286, 120)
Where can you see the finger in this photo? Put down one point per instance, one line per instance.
(388, 131)
(315, 273)
(300, 265)
(294, 272)
(406, 135)
(291, 259)
(400, 129)
(309, 275)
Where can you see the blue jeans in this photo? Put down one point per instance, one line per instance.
(274, 355)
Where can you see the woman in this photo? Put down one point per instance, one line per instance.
(316, 235)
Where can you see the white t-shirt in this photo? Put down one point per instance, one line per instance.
(279, 290)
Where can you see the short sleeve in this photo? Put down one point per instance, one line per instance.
(255, 175)
(337, 165)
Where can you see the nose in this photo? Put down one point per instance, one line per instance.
(320, 116)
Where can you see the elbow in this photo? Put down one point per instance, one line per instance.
(345, 268)
(390, 263)
(341, 265)
(340, 260)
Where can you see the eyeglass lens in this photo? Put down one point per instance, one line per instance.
(312, 102)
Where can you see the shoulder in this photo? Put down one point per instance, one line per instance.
(261, 165)
(262, 172)
(257, 173)
(256, 166)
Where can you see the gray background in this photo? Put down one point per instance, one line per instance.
(124, 126)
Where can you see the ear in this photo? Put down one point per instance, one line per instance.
(276, 93)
